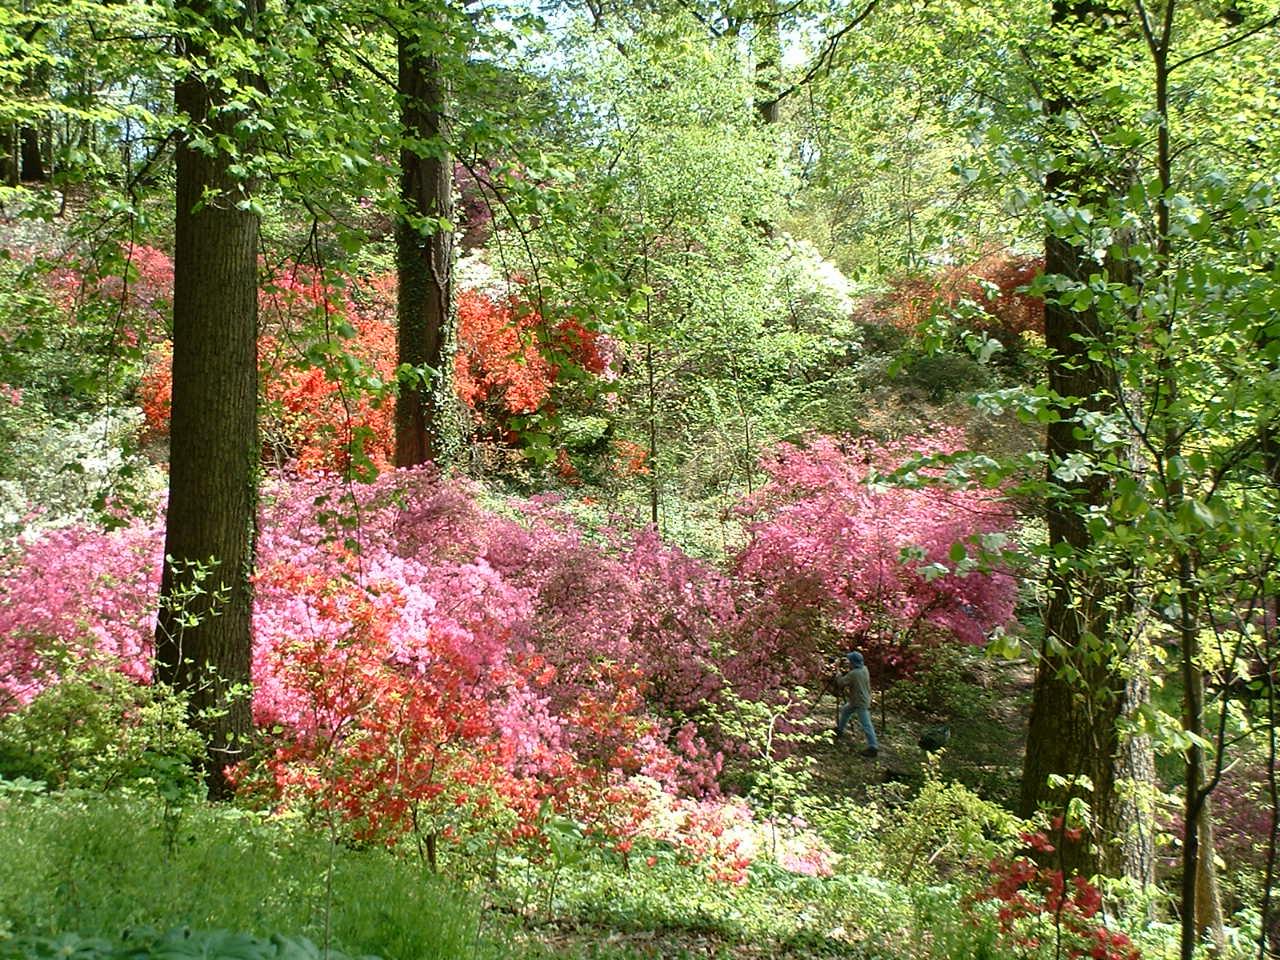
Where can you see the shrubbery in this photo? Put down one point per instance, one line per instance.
(328, 373)
(97, 729)
(442, 666)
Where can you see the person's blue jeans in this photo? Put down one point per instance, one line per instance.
(864, 718)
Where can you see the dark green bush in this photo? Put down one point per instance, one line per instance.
(881, 339)
(942, 376)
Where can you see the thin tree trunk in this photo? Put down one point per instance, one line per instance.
(203, 630)
(424, 254)
(1201, 906)
(653, 434)
(1209, 918)
(9, 156)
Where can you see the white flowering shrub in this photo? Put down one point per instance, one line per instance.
(808, 292)
(57, 471)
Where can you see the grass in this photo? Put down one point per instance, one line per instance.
(100, 866)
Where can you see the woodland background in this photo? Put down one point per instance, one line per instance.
(444, 449)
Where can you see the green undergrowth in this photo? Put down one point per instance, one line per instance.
(92, 867)
(85, 876)
(668, 911)
(89, 876)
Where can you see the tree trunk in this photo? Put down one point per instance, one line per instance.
(203, 631)
(766, 47)
(1201, 898)
(654, 493)
(32, 162)
(1081, 692)
(1209, 919)
(424, 255)
(9, 155)
(1130, 827)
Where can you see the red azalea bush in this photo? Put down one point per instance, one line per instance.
(327, 367)
(516, 371)
(1039, 906)
(996, 281)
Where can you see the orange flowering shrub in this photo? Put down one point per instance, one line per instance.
(995, 281)
(327, 367)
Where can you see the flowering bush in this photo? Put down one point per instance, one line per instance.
(807, 290)
(134, 284)
(995, 282)
(81, 593)
(60, 470)
(457, 663)
(439, 667)
(1039, 907)
(835, 552)
(327, 368)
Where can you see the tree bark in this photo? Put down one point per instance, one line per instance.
(1081, 689)
(424, 254)
(9, 156)
(203, 637)
(1209, 918)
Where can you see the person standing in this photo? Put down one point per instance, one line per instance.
(856, 686)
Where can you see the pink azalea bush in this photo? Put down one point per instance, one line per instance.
(82, 594)
(135, 286)
(840, 557)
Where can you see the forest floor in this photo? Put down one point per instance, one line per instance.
(986, 704)
(987, 712)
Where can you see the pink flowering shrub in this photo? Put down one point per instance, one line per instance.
(455, 633)
(134, 283)
(837, 555)
(77, 593)
(425, 666)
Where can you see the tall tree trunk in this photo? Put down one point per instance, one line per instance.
(203, 630)
(424, 254)
(1081, 692)
(654, 490)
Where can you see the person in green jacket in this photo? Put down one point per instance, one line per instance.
(856, 686)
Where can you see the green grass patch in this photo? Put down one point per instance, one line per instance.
(98, 867)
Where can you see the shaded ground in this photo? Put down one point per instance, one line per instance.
(987, 709)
